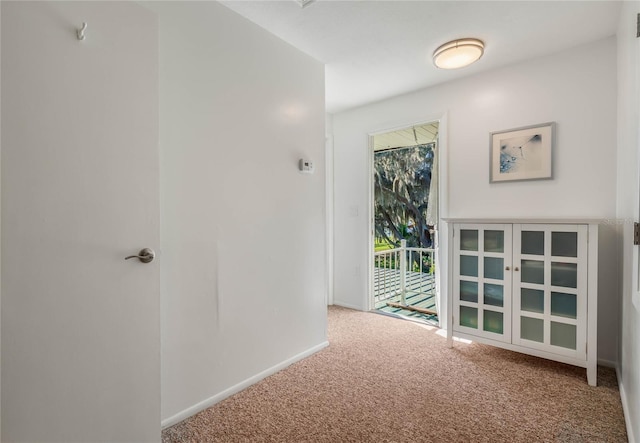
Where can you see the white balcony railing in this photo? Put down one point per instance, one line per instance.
(402, 271)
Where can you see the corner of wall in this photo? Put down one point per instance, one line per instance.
(625, 407)
(0, 237)
(207, 403)
(329, 208)
(328, 125)
(627, 211)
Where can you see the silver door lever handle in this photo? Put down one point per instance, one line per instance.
(145, 255)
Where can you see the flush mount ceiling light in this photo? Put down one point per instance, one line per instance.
(458, 53)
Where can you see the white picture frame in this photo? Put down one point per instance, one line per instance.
(522, 153)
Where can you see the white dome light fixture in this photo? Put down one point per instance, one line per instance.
(458, 53)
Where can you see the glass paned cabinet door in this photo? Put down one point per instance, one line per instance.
(532, 242)
(469, 291)
(532, 271)
(564, 305)
(532, 329)
(468, 239)
(532, 300)
(482, 280)
(469, 265)
(549, 284)
(564, 244)
(493, 294)
(493, 241)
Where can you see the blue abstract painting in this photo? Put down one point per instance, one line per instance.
(521, 154)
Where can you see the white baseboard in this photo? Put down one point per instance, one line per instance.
(177, 418)
(625, 408)
(346, 305)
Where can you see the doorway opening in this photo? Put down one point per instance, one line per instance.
(405, 214)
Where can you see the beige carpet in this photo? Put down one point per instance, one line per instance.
(388, 380)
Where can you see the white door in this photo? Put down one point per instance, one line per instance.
(636, 210)
(550, 288)
(80, 325)
(482, 280)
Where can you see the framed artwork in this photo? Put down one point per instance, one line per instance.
(521, 153)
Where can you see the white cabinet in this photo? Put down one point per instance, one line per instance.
(527, 286)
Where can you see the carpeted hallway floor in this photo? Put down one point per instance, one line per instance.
(388, 380)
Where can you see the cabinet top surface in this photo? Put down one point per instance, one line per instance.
(576, 220)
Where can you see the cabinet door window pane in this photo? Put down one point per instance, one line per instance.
(564, 244)
(493, 295)
(468, 239)
(564, 274)
(469, 317)
(532, 242)
(564, 305)
(532, 329)
(563, 335)
(469, 265)
(493, 322)
(493, 241)
(494, 268)
(532, 300)
(533, 271)
(469, 291)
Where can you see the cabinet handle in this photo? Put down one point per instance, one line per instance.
(516, 269)
(507, 268)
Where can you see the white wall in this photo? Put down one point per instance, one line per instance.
(576, 89)
(243, 232)
(0, 237)
(627, 212)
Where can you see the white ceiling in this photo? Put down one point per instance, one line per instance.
(411, 136)
(378, 49)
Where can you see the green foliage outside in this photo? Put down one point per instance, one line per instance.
(402, 179)
(382, 245)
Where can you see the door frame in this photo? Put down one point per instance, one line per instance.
(635, 270)
(329, 219)
(441, 244)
